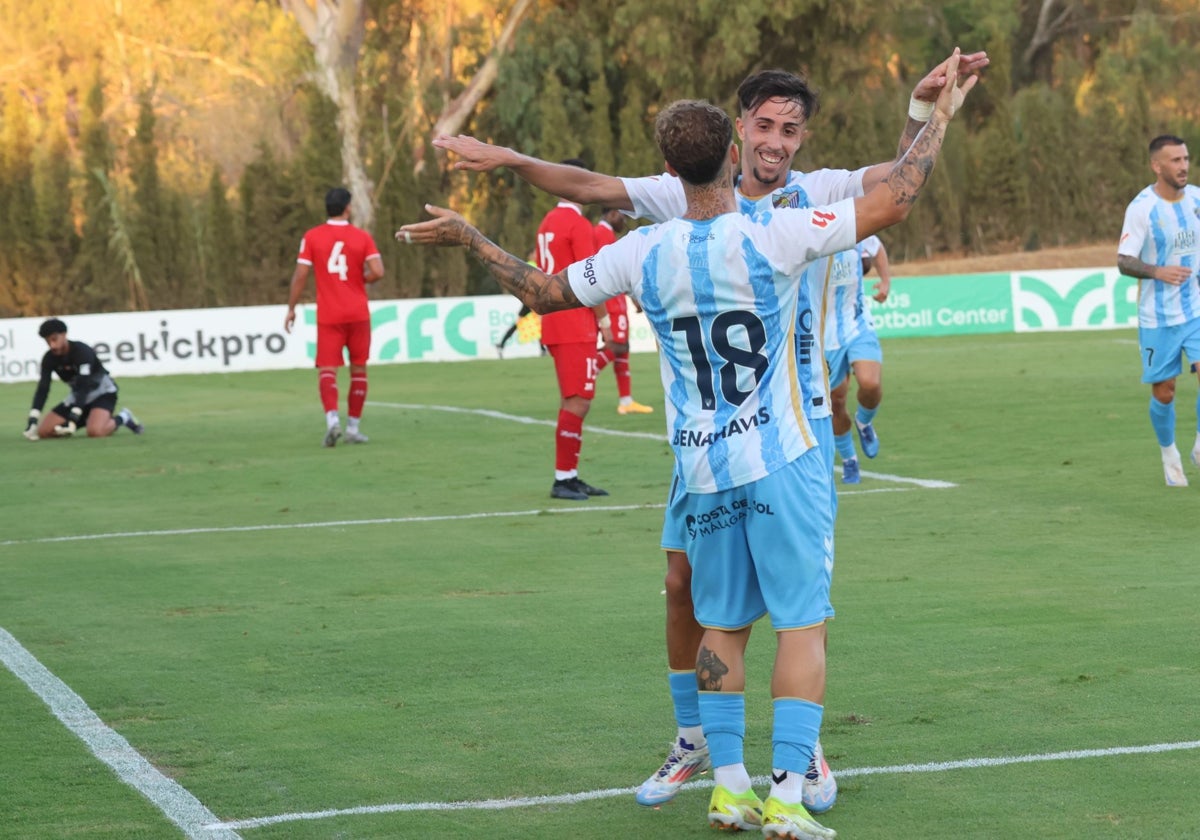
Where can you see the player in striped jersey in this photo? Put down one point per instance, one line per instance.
(851, 346)
(721, 290)
(775, 108)
(1160, 245)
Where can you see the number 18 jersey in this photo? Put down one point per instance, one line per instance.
(722, 296)
(337, 252)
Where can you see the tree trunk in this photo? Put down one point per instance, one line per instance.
(336, 28)
(459, 110)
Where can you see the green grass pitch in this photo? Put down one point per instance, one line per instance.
(445, 632)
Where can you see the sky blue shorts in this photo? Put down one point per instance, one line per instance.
(674, 533)
(864, 347)
(765, 548)
(1162, 348)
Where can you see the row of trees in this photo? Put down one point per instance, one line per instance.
(163, 155)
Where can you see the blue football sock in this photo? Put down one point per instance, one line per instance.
(724, 716)
(686, 698)
(864, 416)
(845, 446)
(1162, 418)
(797, 725)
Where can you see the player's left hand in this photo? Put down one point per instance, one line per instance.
(69, 428)
(445, 228)
(928, 88)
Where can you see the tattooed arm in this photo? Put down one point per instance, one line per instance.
(889, 201)
(927, 90)
(1176, 275)
(539, 291)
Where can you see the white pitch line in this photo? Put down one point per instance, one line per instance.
(517, 418)
(929, 484)
(179, 806)
(612, 793)
(341, 523)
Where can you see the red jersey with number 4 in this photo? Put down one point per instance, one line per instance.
(337, 252)
(565, 237)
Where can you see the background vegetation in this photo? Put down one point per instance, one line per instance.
(158, 154)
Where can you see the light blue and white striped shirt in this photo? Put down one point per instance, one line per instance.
(847, 314)
(722, 297)
(1161, 232)
(661, 197)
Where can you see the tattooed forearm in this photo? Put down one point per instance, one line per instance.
(909, 175)
(911, 129)
(710, 670)
(540, 292)
(1133, 267)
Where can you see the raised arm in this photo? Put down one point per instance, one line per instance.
(892, 198)
(920, 108)
(569, 182)
(539, 291)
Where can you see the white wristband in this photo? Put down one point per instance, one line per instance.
(920, 111)
(604, 323)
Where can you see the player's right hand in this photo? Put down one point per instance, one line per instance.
(474, 155)
(31, 426)
(1175, 275)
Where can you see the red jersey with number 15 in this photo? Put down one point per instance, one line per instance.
(565, 237)
(337, 252)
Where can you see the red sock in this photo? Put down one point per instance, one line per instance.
(358, 394)
(603, 357)
(621, 369)
(329, 393)
(568, 440)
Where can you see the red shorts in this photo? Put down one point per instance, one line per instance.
(575, 365)
(332, 339)
(618, 312)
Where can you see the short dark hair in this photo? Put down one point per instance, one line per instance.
(51, 326)
(575, 162)
(1165, 140)
(694, 137)
(757, 88)
(336, 201)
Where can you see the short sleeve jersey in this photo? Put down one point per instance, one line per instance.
(721, 296)
(661, 197)
(847, 315)
(337, 252)
(1161, 232)
(565, 237)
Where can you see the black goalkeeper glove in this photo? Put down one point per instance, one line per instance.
(72, 423)
(31, 427)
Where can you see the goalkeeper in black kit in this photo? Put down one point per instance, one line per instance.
(89, 406)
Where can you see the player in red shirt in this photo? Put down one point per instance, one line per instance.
(344, 259)
(564, 237)
(612, 222)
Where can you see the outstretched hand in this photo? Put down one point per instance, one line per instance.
(445, 228)
(928, 89)
(952, 95)
(474, 155)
